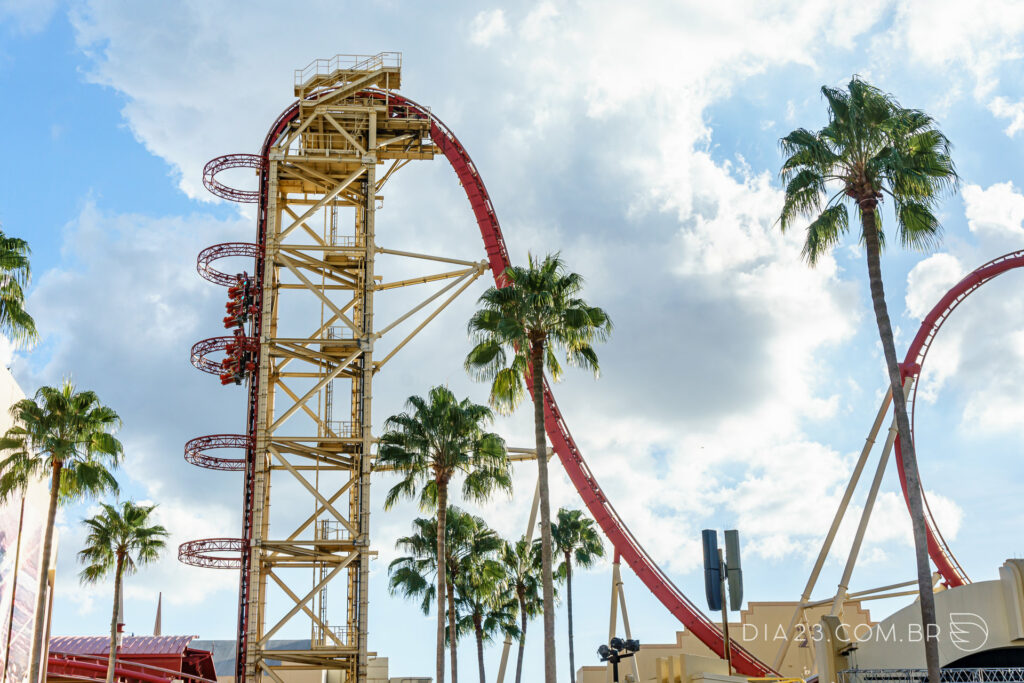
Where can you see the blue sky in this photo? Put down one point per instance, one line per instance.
(639, 140)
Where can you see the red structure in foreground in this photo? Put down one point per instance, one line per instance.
(148, 659)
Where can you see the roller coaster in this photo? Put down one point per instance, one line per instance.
(323, 149)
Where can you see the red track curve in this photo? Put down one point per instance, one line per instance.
(202, 349)
(196, 451)
(215, 553)
(218, 251)
(614, 527)
(215, 166)
(941, 555)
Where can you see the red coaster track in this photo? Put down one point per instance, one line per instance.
(201, 351)
(218, 251)
(215, 553)
(196, 451)
(215, 166)
(942, 556)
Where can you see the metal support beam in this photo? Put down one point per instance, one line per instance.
(865, 516)
(530, 526)
(826, 545)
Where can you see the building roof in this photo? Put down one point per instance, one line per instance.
(130, 645)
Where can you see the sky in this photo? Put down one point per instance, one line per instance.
(638, 139)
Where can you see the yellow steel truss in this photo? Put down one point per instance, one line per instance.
(324, 167)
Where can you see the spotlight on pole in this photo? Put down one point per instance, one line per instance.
(619, 649)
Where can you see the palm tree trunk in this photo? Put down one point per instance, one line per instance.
(522, 638)
(44, 571)
(924, 570)
(453, 638)
(479, 646)
(547, 579)
(442, 575)
(568, 604)
(112, 660)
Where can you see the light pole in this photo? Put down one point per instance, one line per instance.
(617, 650)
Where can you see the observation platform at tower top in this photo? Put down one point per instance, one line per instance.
(383, 69)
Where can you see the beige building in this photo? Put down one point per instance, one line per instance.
(980, 625)
(761, 630)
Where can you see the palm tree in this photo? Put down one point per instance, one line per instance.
(66, 434)
(415, 575)
(120, 540)
(489, 607)
(517, 330)
(872, 148)
(15, 273)
(577, 540)
(430, 443)
(522, 565)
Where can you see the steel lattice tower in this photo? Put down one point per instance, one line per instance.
(307, 348)
(324, 162)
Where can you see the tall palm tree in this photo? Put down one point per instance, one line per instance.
(578, 542)
(522, 565)
(66, 434)
(517, 330)
(119, 540)
(15, 273)
(431, 442)
(873, 148)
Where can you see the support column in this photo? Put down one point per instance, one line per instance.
(366, 417)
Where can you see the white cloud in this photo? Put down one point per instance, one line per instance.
(998, 406)
(541, 19)
(929, 280)
(29, 16)
(995, 212)
(978, 37)
(966, 39)
(1004, 109)
(119, 317)
(486, 26)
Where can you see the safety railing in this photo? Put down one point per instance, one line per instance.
(972, 675)
(340, 332)
(342, 429)
(343, 637)
(331, 530)
(325, 67)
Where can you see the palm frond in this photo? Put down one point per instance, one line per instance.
(918, 227)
